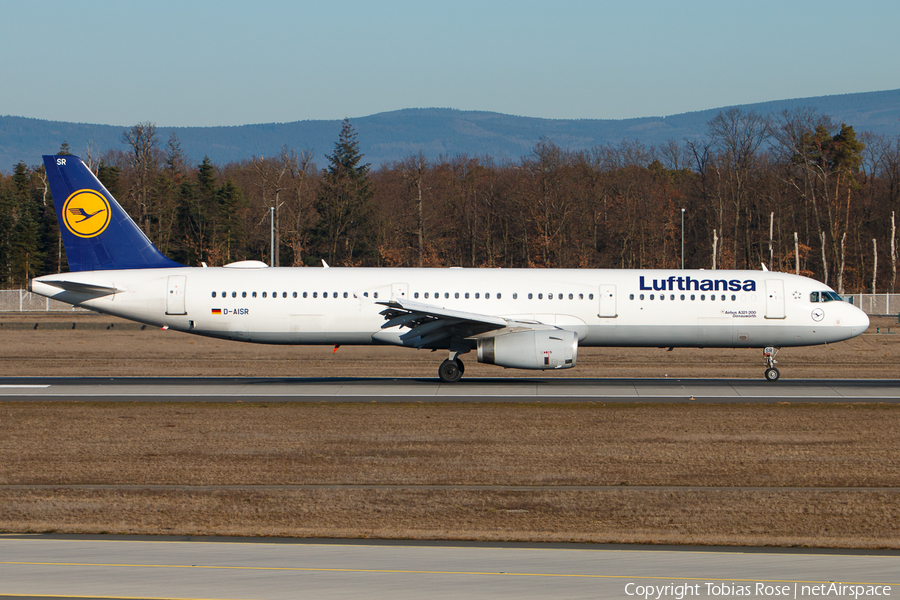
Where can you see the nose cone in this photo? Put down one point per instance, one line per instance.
(858, 322)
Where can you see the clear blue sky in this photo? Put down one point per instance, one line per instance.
(183, 63)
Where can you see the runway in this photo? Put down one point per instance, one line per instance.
(121, 567)
(248, 389)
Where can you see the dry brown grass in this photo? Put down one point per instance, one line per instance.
(152, 352)
(406, 447)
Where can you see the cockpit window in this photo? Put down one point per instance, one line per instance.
(828, 296)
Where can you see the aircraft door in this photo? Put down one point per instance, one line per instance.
(774, 299)
(175, 295)
(608, 301)
(399, 291)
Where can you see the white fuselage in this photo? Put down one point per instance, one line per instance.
(604, 307)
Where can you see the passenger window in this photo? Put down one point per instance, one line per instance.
(631, 296)
(243, 294)
(672, 297)
(733, 297)
(284, 294)
(723, 297)
(214, 295)
(366, 295)
(530, 296)
(315, 294)
(693, 297)
(560, 297)
(682, 296)
(540, 296)
(581, 296)
(477, 296)
(295, 294)
(253, 294)
(224, 294)
(571, 296)
(487, 296)
(416, 295)
(642, 297)
(264, 294)
(426, 295)
(590, 296)
(703, 296)
(456, 295)
(498, 295)
(345, 294)
(375, 295)
(652, 296)
(304, 294)
(515, 295)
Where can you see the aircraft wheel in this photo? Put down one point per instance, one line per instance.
(450, 371)
(462, 367)
(772, 374)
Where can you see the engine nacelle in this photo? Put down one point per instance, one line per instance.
(538, 349)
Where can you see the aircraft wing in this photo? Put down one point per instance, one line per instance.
(429, 324)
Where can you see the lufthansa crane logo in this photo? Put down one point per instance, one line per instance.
(86, 213)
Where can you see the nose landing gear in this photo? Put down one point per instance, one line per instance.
(772, 374)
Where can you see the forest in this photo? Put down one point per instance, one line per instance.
(793, 191)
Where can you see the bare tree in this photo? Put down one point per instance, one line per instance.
(298, 207)
(414, 170)
(737, 136)
(143, 160)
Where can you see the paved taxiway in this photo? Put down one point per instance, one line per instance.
(427, 390)
(51, 566)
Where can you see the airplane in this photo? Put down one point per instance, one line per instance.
(516, 318)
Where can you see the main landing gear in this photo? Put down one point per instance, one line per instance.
(772, 373)
(452, 369)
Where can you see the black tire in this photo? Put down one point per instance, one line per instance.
(772, 374)
(462, 367)
(450, 371)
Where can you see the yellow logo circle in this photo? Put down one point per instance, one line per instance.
(86, 213)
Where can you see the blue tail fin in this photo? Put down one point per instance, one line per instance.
(97, 233)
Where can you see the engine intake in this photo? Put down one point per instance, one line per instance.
(536, 349)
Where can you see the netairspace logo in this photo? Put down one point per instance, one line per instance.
(757, 589)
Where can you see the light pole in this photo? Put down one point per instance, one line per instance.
(682, 239)
(272, 236)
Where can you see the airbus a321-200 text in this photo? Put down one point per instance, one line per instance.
(515, 318)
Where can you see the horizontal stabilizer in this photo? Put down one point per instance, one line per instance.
(82, 288)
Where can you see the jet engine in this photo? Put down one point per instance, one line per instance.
(534, 349)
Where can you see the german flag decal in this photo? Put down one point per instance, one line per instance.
(217, 311)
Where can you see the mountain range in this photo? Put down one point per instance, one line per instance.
(390, 136)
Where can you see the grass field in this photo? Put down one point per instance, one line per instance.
(791, 474)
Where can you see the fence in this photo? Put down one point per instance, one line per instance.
(25, 301)
(877, 304)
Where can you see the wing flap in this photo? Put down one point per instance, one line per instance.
(432, 326)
